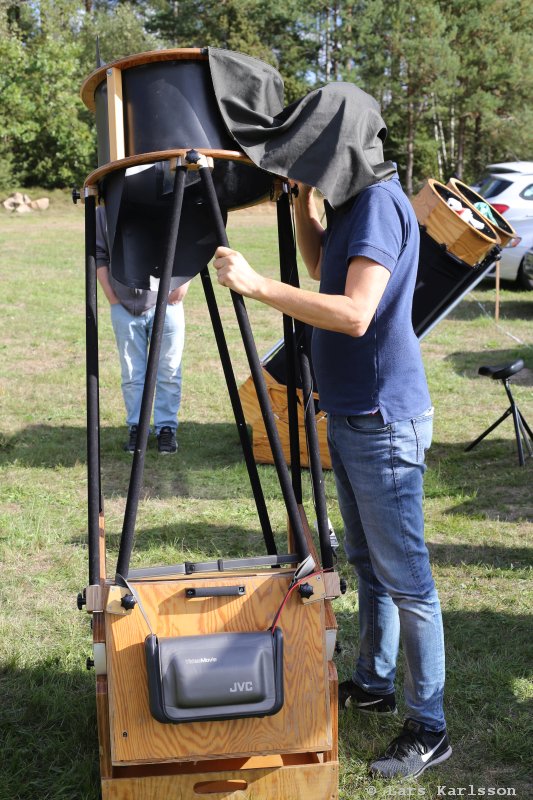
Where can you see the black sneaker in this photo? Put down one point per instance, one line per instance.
(412, 752)
(131, 444)
(352, 696)
(166, 440)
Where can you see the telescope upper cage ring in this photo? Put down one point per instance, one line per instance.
(158, 105)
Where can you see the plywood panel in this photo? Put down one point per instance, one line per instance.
(311, 782)
(278, 398)
(302, 725)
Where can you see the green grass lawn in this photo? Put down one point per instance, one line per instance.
(479, 511)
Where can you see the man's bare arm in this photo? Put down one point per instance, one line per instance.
(309, 230)
(349, 313)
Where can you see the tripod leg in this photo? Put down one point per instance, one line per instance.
(137, 469)
(518, 434)
(523, 429)
(238, 412)
(489, 430)
(258, 379)
(525, 425)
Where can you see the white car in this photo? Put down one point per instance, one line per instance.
(527, 265)
(511, 193)
(512, 256)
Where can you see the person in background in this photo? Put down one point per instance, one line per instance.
(372, 385)
(132, 316)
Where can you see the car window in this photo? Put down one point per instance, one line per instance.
(493, 186)
(527, 193)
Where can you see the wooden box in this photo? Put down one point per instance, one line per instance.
(278, 396)
(291, 755)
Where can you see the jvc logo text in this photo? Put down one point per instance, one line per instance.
(245, 686)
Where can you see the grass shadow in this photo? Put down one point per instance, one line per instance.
(510, 309)
(48, 733)
(500, 558)
(197, 541)
(63, 445)
(478, 483)
(488, 660)
(467, 364)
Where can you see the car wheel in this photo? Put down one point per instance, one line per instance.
(523, 280)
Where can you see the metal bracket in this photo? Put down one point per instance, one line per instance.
(196, 162)
(319, 589)
(332, 585)
(94, 598)
(114, 601)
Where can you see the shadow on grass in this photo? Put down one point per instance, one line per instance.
(48, 733)
(489, 715)
(485, 483)
(510, 309)
(489, 656)
(503, 558)
(199, 541)
(55, 446)
(467, 364)
(48, 717)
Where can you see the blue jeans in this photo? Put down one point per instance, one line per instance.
(133, 337)
(379, 473)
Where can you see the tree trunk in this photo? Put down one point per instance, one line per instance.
(410, 147)
(461, 134)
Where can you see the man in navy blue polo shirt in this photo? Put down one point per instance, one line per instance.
(371, 382)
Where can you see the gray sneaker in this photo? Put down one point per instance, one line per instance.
(412, 752)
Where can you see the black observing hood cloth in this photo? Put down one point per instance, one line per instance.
(332, 138)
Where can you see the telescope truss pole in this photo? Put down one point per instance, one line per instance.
(134, 490)
(94, 489)
(255, 368)
(290, 350)
(289, 274)
(238, 412)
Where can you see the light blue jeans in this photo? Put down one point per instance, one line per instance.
(379, 473)
(133, 337)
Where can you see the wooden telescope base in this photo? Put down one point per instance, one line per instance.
(297, 781)
(291, 755)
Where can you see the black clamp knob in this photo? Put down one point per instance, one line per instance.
(128, 602)
(76, 196)
(89, 664)
(81, 600)
(306, 590)
(192, 157)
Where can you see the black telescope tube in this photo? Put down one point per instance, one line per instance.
(137, 469)
(259, 382)
(94, 493)
(238, 412)
(290, 275)
(290, 352)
